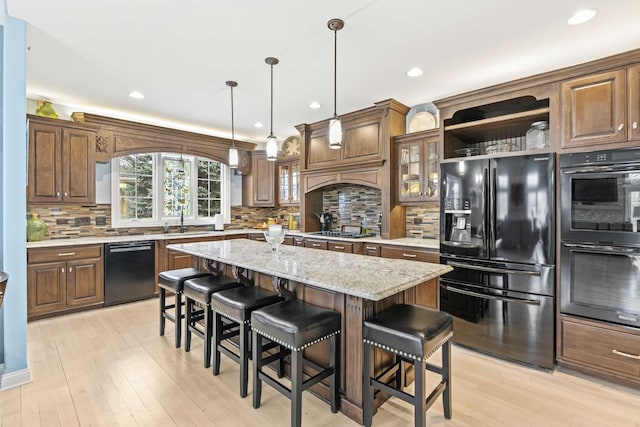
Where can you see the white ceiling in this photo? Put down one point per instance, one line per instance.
(90, 54)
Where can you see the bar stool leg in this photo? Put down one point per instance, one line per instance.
(400, 373)
(420, 394)
(257, 367)
(163, 303)
(187, 332)
(446, 376)
(367, 389)
(208, 326)
(217, 338)
(178, 302)
(296, 388)
(334, 344)
(245, 336)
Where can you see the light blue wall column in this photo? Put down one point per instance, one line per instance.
(13, 255)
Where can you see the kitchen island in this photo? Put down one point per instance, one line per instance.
(356, 286)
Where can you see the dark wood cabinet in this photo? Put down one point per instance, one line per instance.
(316, 244)
(601, 349)
(61, 161)
(633, 84)
(417, 167)
(427, 293)
(258, 188)
(64, 278)
(289, 182)
(371, 249)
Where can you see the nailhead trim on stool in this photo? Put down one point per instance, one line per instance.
(289, 346)
(407, 355)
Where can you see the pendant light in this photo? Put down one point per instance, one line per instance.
(233, 151)
(335, 127)
(272, 142)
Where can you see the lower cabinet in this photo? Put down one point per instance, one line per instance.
(427, 293)
(63, 279)
(600, 349)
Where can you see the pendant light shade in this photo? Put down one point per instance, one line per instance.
(272, 142)
(233, 151)
(335, 126)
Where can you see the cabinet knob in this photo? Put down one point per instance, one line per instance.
(621, 126)
(635, 125)
(65, 194)
(58, 194)
(62, 269)
(70, 269)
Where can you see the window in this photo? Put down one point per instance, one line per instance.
(154, 189)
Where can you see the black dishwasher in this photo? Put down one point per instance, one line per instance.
(129, 271)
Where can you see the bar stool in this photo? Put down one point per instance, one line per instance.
(173, 281)
(237, 305)
(296, 325)
(198, 291)
(413, 333)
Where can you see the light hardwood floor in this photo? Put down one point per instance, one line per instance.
(110, 367)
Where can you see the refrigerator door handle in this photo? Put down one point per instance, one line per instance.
(491, 297)
(492, 269)
(603, 249)
(492, 213)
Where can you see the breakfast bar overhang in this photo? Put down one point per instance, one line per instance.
(356, 286)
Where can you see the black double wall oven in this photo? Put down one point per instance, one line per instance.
(497, 230)
(600, 229)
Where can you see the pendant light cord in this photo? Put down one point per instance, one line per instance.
(271, 131)
(233, 136)
(335, 74)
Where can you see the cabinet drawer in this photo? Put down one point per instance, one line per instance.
(63, 253)
(371, 249)
(341, 247)
(316, 244)
(410, 254)
(601, 348)
(257, 237)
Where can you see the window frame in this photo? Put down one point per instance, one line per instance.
(157, 220)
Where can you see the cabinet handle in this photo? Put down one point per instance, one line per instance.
(338, 247)
(66, 253)
(62, 269)
(70, 269)
(409, 255)
(57, 194)
(65, 194)
(621, 126)
(371, 248)
(623, 354)
(635, 125)
(315, 245)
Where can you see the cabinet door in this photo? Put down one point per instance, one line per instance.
(78, 166)
(284, 183)
(45, 168)
(258, 188)
(633, 74)
(177, 260)
(426, 294)
(316, 244)
(46, 287)
(410, 157)
(85, 282)
(594, 109)
(294, 192)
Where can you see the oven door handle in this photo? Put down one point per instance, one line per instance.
(603, 249)
(492, 269)
(596, 169)
(491, 297)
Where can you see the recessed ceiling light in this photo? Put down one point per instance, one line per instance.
(315, 105)
(258, 125)
(415, 72)
(582, 16)
(136, 95)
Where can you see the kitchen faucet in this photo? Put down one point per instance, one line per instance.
(182, 227)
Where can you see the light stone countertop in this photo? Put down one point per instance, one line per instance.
(367, 277)
(406, 241)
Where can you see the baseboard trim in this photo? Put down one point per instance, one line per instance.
(14, 379)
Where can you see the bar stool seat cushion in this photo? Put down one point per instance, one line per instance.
(295, 324)
(409, 330)
(173, 280)
(201, 288)
(238, 303)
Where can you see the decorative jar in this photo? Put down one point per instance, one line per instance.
(36, 228)
(537, 136)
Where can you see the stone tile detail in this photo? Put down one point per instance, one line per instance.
(423, 222)
(350, 204)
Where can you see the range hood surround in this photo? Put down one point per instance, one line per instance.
(367, 159)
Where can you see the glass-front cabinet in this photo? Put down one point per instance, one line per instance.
(289, 182)
(417, 157)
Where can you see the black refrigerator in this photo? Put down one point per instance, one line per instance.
(497, 230)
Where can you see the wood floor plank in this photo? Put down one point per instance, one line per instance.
(109, 367)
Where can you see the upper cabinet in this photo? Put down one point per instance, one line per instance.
(417, 170)
(602, 108)
(61, 161)
(258, 188)
(496, 128)
(289, 181)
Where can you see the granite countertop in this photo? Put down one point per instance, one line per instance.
(406, 241)
(367, 277)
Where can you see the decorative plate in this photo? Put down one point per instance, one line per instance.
(422, 120)
(291, 146)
